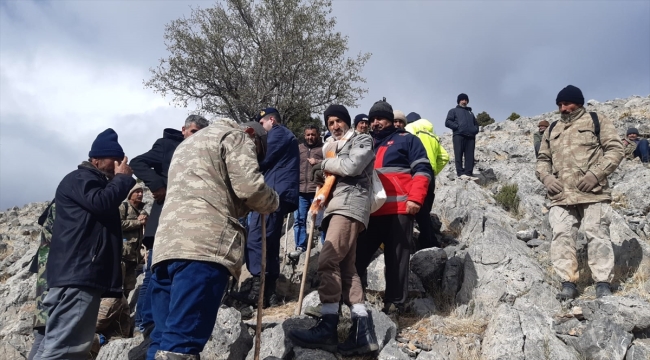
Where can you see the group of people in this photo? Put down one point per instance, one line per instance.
(205, 179)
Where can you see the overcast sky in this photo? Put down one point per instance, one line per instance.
(70, 69)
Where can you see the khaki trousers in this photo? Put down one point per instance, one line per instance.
(565, 222)
(336, 269)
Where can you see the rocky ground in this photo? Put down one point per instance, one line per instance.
(488, 294)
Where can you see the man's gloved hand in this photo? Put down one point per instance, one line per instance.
(553, 185)
(588, 182)
(317, 175)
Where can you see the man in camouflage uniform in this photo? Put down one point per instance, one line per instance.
(573, 163)
(46, 220)
(134, 217)
(214, 179)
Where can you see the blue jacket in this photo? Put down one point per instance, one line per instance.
(462, 121)
(152, 168)
(403, 167)
(86, 247)
(281, 166)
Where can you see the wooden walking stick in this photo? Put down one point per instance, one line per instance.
(286, 236)
(260, 300)
(304, 269)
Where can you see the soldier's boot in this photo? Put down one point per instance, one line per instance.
(250, 297)
(569, 291)
(361, 339)
(602, 289)
(270, 297)
(168, 355)
(322, 336)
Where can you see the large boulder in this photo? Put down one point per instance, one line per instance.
(429, 265)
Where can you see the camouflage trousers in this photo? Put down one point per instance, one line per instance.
(565, 222)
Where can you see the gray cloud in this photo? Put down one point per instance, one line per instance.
(506, 55)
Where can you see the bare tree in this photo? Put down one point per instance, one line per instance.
(240, 56)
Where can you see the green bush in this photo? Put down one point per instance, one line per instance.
(514, 116)
(508, 199)
(484, 119)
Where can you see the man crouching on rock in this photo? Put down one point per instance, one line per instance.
(576, 155)
(214, 179)
(346, 215)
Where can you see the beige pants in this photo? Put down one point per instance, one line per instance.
(565, 222)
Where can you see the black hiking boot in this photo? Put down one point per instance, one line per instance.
(251, 297)
(361, 339)
(602, 289)
(322, 336)
(271, 299)
(569, 291)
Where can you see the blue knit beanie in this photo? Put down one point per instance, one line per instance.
(413, 116)
(106, 145)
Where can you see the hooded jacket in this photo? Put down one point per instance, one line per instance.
(437, 155)
(461, 121)
(214, 179)
(403, 168)
(572, 149)
(86, 246)
(152, 168)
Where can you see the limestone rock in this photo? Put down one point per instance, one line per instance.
(601, 339)
(275, 341)
(632, 314)
(312, 354)
(640, 350)
(118, 349)
(392, 352)
(527, 235)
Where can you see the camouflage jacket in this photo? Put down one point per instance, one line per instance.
(40, 313)
(214, 179)
(573, 149)
(131, 231)
(630, 146)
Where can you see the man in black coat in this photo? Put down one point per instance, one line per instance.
(462, 122)
(152, 167)
(86, 248)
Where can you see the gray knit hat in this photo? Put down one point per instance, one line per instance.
(381, 109)
(632, 131)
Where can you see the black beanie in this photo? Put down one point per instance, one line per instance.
(106, 145)
(632, 131)
(340, 112)
(381, 109)
(413, 116)
(462, 96)
(359, 118)
(570, 94)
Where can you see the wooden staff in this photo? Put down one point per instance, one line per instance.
(304, 270)
(260, 300)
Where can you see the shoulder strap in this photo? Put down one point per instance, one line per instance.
(594, 118)
(126, 210)
(550, 129)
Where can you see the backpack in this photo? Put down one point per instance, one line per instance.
(594, 118)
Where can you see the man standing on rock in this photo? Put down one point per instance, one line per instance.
(537, 138)
(311, 153)
(574, 161)
(346, 215)
(214, 179)
(152, 167)
(281, 169)
(84, 263)
(462, 122)
(405, 172)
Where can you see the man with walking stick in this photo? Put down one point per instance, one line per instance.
(214, 179)
(346, 215)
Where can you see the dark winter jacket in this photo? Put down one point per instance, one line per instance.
(462, 121)
(306, 152)
(403, 167)
(281, 166)
(86, 247)
(152, 168)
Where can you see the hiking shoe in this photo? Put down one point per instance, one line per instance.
(361, 339)
(464, 177)
(249, 298)
(322, 336)
(569, 292)
(602, 289)
(295, 255)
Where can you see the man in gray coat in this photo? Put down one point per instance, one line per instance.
(346, 215)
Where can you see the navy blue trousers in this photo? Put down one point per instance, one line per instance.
(254, 244)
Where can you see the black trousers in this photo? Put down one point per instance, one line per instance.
(464, 146)
(423, 218)
(396, 233)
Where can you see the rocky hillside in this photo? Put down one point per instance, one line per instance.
(489, 294)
